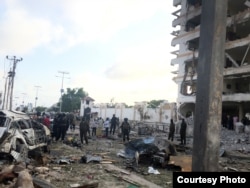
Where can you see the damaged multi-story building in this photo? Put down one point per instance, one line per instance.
(236, 73)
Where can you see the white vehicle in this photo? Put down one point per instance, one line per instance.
(20, 134)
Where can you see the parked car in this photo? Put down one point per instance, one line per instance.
(19, 134)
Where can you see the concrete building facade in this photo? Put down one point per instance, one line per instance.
(236, 74)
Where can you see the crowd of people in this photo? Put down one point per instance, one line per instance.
(229, 121)
(111, 126)
(108, 127)
(88, 126)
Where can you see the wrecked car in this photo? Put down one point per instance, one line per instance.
(152, 150)
(20, 134)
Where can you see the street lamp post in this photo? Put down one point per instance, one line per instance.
(37, 87)
(62, 90)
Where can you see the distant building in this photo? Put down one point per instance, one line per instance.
(86, 105)
(140, 112)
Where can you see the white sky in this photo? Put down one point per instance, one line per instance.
(111, 48)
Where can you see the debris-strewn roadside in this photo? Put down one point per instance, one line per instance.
(102, 163)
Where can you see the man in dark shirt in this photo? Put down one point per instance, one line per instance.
(183, 132)
(113, 124)
(84, 128)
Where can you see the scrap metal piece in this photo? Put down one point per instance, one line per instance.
(89, 158)
(15, 155)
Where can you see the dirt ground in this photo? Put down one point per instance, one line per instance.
(66, 167)
(115, 174)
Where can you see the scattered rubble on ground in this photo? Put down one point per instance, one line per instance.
(108, 162)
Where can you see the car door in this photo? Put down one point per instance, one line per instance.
(27, 131)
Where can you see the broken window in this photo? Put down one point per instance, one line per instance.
(192, 23)
(237, 84)
(193, 45)
(228, 86)
(189, 84)
(188, 88)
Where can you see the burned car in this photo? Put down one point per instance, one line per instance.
(20, 134)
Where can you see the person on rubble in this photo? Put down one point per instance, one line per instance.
(55, 128)
(46, 121)
(57, 122)
(62, 126)
(106, 125)
(93, 125)
(84, 127)
(72, 121)
(183, 132)
(171, 130)
(113, 124)
(125, 130)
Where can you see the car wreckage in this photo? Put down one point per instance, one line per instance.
(151, 150)
(20, 134)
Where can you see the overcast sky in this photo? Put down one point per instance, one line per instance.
(116, 49)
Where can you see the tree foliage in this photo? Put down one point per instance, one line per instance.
(71, 100)
(154, 103)
(40, 109)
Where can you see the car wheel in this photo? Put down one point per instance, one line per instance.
(23, 150)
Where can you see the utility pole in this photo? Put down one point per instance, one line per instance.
(37, 87)
(11, 75)
(207, 124)
(62, 90)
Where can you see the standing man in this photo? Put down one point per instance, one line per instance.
(183, 132)
(125, 129)
(58, 128)
(72, 121)
(93, 125)
(55, 128)
(106, 126)
(113, 124)
(63, 122)
(171, 130)
(84, 128)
